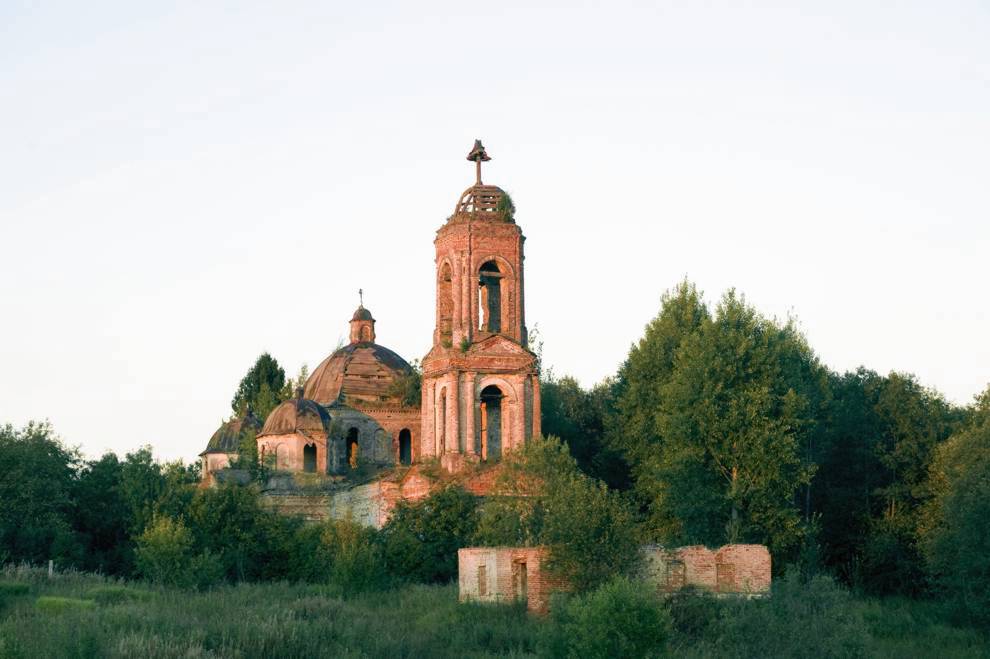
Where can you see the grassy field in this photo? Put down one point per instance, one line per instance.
(80, 615)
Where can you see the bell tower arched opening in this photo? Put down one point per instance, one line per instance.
(490, 297)
(445, 305)
(309, 457)
(405, 447)
(442, 422)
(491, 423)
(352, 448)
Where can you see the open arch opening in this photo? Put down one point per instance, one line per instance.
(352, 448)
(405, 447)
(445, 302)
(491, 422)
(490, 297)
(309, 457)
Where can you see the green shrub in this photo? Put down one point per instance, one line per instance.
(693, 613)
(110, 595)
(165, 552)
(12, 589)
(251, 542)
(311, 558)
(62, 604)
(902, 627)
(618, 619)
(813, 619)
(358, 565)
(544, 499)
(421, 540)
(206, 569)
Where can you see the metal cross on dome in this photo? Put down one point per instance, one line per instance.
(478, 155)
(361, 295)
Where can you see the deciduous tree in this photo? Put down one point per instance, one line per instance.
(37, 473)
(261, 388)
(955, 523)
(542, 498)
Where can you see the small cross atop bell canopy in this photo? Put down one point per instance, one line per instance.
(478, 153)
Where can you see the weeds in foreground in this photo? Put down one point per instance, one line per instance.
(84, 615)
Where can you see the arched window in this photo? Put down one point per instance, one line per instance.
(490, 297)
(445, 301)
(405, 446)
(352, 448)
(309, 457)
(491, 423)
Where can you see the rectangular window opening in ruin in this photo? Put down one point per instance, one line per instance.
(676, 573)
(725, 577)
(482, 581)
(520, 586)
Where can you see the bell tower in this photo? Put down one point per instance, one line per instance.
(481, 392)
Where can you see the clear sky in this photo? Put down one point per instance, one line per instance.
(186, 185)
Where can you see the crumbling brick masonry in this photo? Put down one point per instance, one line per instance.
(732, 569)
(505, 574)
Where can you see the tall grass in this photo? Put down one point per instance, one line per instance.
(120, 619)
(267, 620)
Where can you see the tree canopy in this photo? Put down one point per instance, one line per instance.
(954, 526)
(542, 498)
(715, 416)
(261, 389)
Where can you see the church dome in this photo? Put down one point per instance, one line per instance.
(486, 202)
(361, 371)
(361, 314)
(227, 438)
(297, 415)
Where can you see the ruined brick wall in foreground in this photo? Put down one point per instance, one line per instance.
(509, 574)
(732, 569)
(505, 574)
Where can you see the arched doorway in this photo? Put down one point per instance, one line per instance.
(405, 446)
(309, 457)
(491, 422)
(352, 448)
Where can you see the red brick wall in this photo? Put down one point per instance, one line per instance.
(500, 567)
(752, 567)
(732, 569)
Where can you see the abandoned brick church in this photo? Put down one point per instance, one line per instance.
(480, 389)
(352, 430)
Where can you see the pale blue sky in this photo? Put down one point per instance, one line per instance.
(184, 187)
